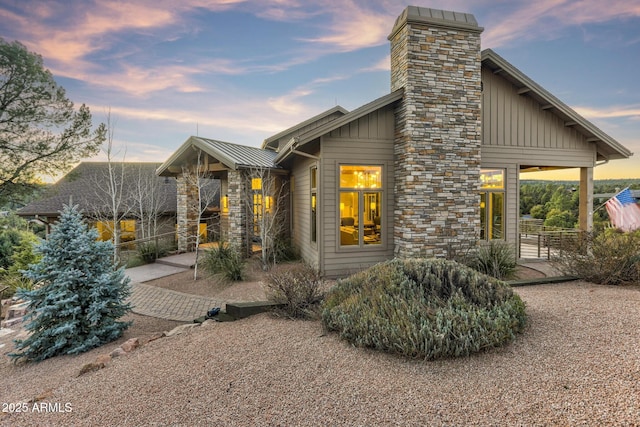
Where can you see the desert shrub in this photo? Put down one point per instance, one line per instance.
(299, 290)
(23, 256)
(284, 250)
(608, 258)
(224, 260)
(496, 258)
(149, 252)
(424, 308)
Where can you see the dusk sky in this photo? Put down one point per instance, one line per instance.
(241, 71)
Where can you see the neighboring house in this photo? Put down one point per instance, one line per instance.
(427, 170)
(147, 205)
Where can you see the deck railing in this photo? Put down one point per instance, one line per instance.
(539, 241)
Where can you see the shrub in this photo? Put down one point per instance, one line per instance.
(79, 296)
(423, 308)
(224, 260)
(496, 259)
(284, 250)
(149, 252)
(299, 289)
(607, 258)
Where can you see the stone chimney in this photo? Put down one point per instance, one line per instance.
(435, 57)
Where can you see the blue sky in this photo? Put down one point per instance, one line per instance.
(241, 71)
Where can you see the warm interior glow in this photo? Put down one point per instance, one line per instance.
(256, 183)
(225, 203)
(356, 176)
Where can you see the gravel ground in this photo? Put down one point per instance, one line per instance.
(577, 363)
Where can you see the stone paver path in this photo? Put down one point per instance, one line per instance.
(167, 304)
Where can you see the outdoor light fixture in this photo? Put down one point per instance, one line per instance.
(225, 203)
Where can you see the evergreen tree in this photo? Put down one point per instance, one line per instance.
(79, 297)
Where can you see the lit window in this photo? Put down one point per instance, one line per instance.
(492, 204)
(313, 179)
(360, 205)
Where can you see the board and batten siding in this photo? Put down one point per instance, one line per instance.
(515, 128)
(366, 141)
(516, 132)
(301, 233)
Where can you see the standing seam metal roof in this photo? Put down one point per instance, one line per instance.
(240, 155)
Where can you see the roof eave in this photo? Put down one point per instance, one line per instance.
(335, 124)
(336, 109)
(619, 151)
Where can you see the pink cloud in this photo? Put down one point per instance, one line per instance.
(615, 112)
(547, 18)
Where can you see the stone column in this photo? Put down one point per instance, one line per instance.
(586, 199)
(435, 57)
(187, 215)
(237, 193)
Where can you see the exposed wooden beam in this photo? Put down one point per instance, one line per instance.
(497, 71)
(592, 139)
(523, 90)
(546, 107)
(570, 123)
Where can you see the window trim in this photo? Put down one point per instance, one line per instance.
(361, 246)
(313, 193)
(488, 191)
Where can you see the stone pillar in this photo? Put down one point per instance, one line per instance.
(435, 57)
(586, 199)
(237, 193)
(187, 214)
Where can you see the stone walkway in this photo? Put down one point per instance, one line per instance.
(165, 303)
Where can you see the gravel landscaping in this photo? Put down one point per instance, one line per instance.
(576, 364)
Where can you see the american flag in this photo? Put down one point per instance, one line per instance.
(623, 211)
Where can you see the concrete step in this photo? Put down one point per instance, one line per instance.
(240, 310)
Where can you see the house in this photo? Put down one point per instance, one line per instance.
(429, 169)
(148, 202)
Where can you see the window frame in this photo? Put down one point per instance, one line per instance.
(313, 205)
(361, 194)
(488, 192)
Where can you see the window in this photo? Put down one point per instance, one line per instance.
(360, 205)
(127, 230)
(314, 203)
(492, 204)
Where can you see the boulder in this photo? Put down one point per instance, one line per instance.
(181, 329)
(130, 344)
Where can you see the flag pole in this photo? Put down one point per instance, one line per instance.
(599, 207)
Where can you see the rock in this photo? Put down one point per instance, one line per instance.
(103, 359)
(130, 344)
(181, 329)
(118, 352)
(156, 336)
(91, 367)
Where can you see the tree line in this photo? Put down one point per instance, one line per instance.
(557, 202)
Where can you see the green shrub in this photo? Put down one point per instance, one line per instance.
(149, 252)
(607, 258)
(224, 260)
(496, 258)
(424, 308)
(299, 290)
(284, 250)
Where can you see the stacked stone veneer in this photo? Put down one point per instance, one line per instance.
(435, 57)
(186, 212)
(237, 218)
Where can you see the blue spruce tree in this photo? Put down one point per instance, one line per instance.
(80, 295)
